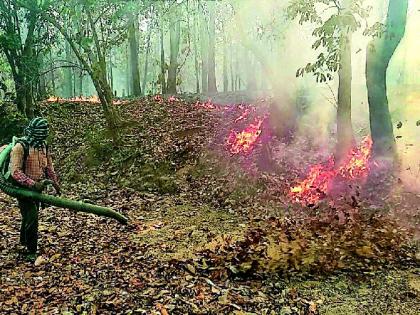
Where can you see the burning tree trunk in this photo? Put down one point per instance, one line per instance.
(379, 54)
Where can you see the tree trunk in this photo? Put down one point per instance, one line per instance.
(379, 54)
(196, 64)
(81, 75)
(175, 30)
(204, 53)
(134, 57)
(20, 94)
(41, 92)
(68, 83)
(52, 75)
(146, 63)
(29, 104)
(128, 72)
(97, 71)
(345, 136)
(212, 86)
(251, 84)
(232, 74)
(225, 70)
(111, 72)
(162, 62)
(106, 97)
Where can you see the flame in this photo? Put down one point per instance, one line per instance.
(207, 105)
(244, 115)
(245, 141)
(357, 164)
(317, 183)
(53, 99)
(172, 99)
(158, 98)
(80, 99)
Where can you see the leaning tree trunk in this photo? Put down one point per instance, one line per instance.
(175, 32)
(105, 95)
(379, 55)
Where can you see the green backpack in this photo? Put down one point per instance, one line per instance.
(5, 166)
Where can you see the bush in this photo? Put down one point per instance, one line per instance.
(100, 148)
(12, 123)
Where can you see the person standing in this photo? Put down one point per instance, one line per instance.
(31, 166)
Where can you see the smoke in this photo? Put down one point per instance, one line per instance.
(289, 47)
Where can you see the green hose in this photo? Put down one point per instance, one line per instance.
(20, 192)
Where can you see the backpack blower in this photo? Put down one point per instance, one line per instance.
(22, 192)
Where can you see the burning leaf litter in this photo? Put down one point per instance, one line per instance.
(81, 99)
(320, 177)
(244, 141)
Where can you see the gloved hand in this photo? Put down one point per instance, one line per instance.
(57, 189)
(40, 186)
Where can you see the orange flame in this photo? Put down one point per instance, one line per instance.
(80, 99)
(244, 142)
(357, 164)
(244, 115)
(317, 183)
(158, 98)
(172, 99)
(53, 99)
(207, 105)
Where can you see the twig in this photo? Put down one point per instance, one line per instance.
(333, 95)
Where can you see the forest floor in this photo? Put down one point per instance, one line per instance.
(201, 226)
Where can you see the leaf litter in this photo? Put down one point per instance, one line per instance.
(209, 233)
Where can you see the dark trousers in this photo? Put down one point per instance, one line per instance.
(29, 228)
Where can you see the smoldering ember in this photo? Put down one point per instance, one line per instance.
(209, 157)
